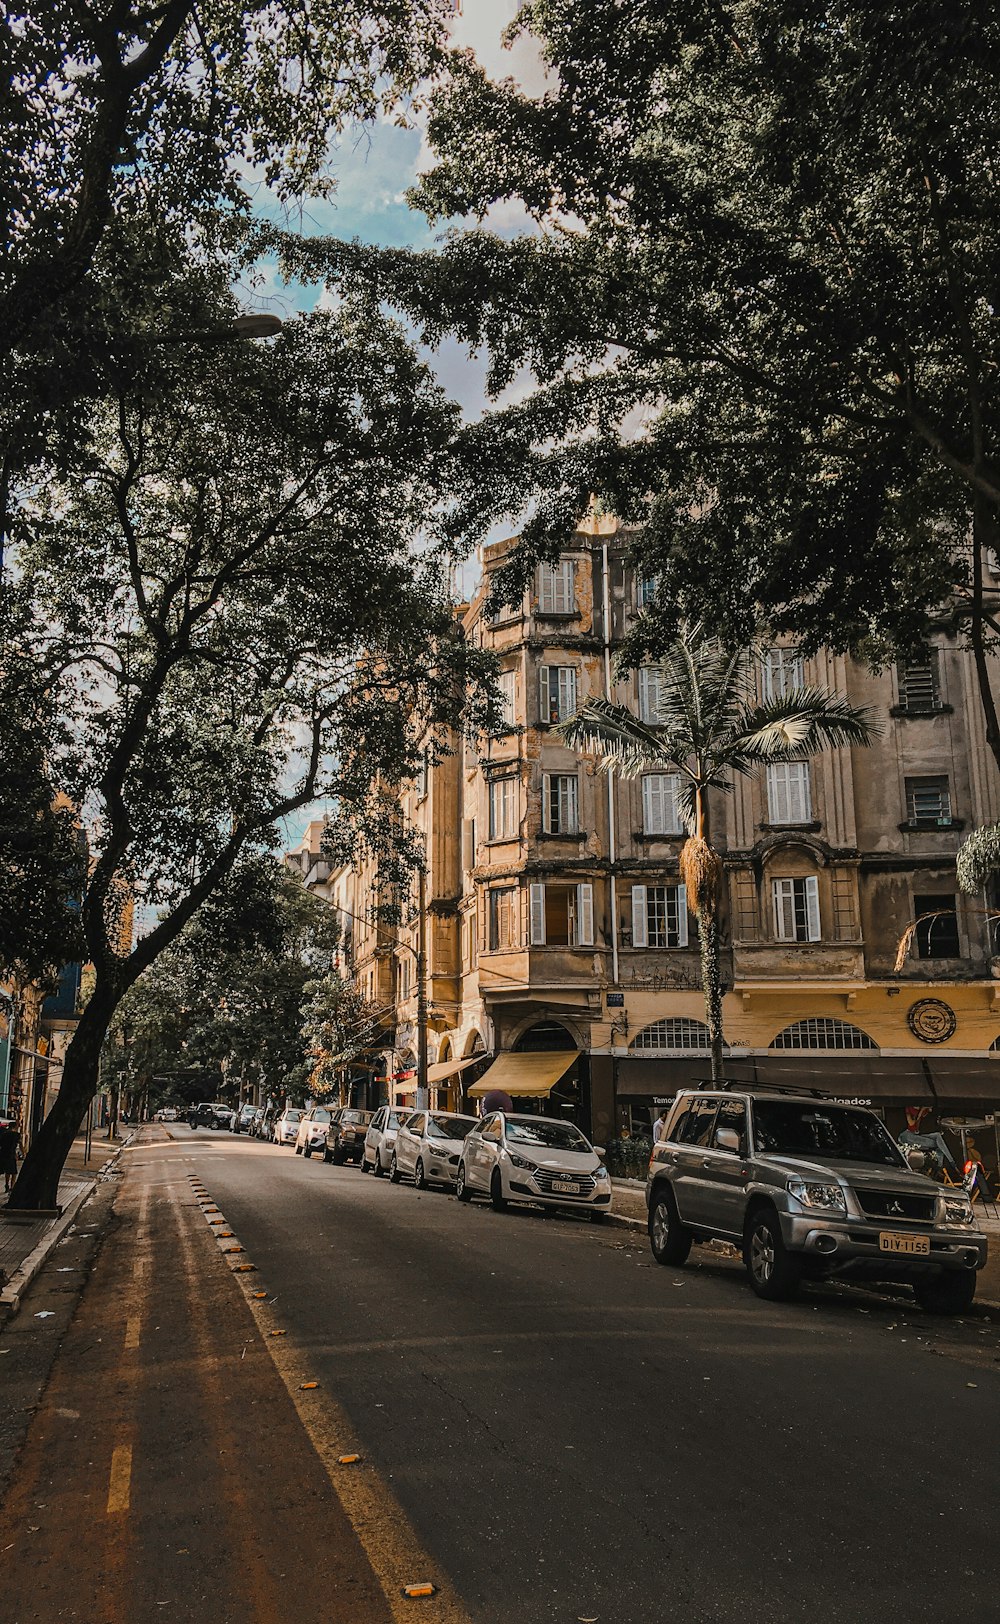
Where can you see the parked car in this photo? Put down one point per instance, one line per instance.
(223, 1114)
(243, 1118)
(204, 1116)
(254, 1125)
(345, 1139)
(312, 1130)
(168, 1113)
(428, 1147)
(538, 1159)
(808, 1189)
(380, 1137)
(286, 1126)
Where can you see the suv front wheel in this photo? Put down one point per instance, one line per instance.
(948, 1294)
(774, 1271)
(669, 1241)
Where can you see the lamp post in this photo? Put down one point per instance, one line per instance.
(423, 1097)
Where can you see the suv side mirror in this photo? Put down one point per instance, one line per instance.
(727, 1139)
(599, 1150)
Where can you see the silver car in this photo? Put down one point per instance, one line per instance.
(286, 1126)
(311, 1133)
(380, 1138)
(808, 1188)
(543, 1160)
(428, 1147)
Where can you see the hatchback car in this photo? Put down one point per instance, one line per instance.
(380, 1138)
(243, 1119)
(539, 1159)
(286, 1127)
(311, 1134)
(428, 1147)
(345, 1138)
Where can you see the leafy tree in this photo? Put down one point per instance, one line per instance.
(758, 297)
(231, 619)
(712, 725)
(339, 1026)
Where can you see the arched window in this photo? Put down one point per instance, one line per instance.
(680, 1036)
(822, 1032)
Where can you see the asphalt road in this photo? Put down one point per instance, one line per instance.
(551, 1428)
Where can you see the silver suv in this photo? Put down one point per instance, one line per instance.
(808, 1189)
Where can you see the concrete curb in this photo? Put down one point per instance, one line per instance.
(21, 1279)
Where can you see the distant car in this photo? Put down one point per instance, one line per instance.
(286, 1127)
(428, 1147)
(253, 1126)
(345, 1139)
(538, 1159)
(380, 1137)
(168, 1114)
(243, 1118)
(312, 1130)
(203, 1116)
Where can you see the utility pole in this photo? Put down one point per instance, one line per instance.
(423, 1098)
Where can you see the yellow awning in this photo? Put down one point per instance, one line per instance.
(525, 1076)
(448, 1068)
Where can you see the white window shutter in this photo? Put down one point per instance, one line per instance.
(567, 570)
(567, 692)
(812, 908)
(638, 916)
(778, 893)
(538, 916)
(569, 808)
(777, 793)
(804, 808)
(545, 692)
(682, 916)
(547, 803)
(585, 915)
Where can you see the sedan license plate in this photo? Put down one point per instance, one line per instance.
(915, 1245)
(565, 1187)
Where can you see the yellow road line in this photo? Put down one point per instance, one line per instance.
(132, 1332)
(389, 1541)
(120, 1485)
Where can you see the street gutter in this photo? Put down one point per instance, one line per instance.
(25, 1273)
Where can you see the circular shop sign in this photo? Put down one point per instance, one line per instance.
(931, 1021)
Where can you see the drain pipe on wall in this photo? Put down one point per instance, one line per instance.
(612, 837)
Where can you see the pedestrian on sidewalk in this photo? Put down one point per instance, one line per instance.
(8, 1153)
(658, 1127)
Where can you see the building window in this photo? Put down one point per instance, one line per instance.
(503, 931)
(508, 694)
(423, 773)
(796, 909)
(660, 812)
(678, 1036)
(562, 916)
(781, 673)
(936, 934)
(560, 804)
(928, 801)
(822, 1032)
(503, 808)
(647, 589)
(651, 695)
(789, 798)
(659, 916)
(555, 589)
(557, 686)
(920, 684)
(403, 977)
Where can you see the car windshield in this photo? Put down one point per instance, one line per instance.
(395, 1118)
(292, 1116)
(540, 1131)
(355, 1116)
(449, 1127)
(831, 1133)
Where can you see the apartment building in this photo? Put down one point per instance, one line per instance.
(555, 924)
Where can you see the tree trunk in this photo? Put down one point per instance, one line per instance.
(37, 1183)
(711, 981)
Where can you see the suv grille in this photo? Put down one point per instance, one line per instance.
(887, 1204)
(585, 1182)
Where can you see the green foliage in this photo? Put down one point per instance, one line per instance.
(978, 859)
(338, 1026)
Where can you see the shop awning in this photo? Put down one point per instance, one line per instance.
(525, 1076)
(843, 1076)
(450, 1068)
(973, 1078)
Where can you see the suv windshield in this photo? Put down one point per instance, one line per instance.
(539, 1131)
(449, 1127)
(832, 1133)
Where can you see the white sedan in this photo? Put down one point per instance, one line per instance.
(286, 1127)
(380, 1138)
(537, 1159)
(429, 1147)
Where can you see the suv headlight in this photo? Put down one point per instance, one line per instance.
(602, 1174)
(519, 1161)
(958, 1210)
(825, 1197)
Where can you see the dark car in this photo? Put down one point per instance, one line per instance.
(202, 1116)
(345, 1137)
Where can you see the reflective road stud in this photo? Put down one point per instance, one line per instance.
(411, 1592)
(348, 1460)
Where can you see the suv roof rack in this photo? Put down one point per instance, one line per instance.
(724, 1084)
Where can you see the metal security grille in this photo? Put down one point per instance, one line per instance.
(928, 800)
(920, 685)
(822, 1032)
(677, 1036)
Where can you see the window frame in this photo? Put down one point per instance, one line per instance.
(556, 588)
(789, 782)
(554, 785)
(674, 827)
(642, 918)
(782, 672)
(499, 910)
(502, 796)
(804, 904)
(917, 784)
(558, 699)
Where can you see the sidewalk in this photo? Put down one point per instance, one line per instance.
(24, 1245)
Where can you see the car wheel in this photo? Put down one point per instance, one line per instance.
(462, 1191)
(669, 1241)
(948, 1294)
(419, 1176)
(326, 1154)
(307, 1151)
(298, 1150)
(598, 1217)
(394, 1173)
(378, 1171)
(364, 1163)
(497, 1196)
(339, 1158)
(774, 1272)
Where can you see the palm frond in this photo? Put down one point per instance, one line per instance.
(619, 739)
(798, 724)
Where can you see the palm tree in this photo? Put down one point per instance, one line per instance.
(712, 726)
